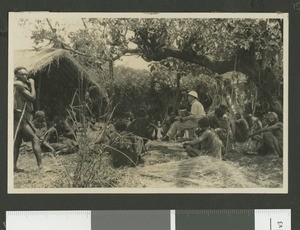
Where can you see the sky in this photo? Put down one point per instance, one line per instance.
(21, 39)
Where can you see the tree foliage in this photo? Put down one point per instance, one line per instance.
(253, 47)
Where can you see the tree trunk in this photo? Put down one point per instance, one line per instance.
(254, 102)
(177, 93)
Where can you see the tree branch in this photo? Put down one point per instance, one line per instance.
(245, 59)
(66, 47)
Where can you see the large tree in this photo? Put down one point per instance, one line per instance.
(253, 47)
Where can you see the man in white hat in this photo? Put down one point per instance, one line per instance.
(190, 121)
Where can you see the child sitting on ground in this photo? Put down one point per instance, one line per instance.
(41, 131)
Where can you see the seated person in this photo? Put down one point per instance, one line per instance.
(125, 148)
(190, 121)
(218, 120)
(129, 117)
(253, 122)
(70, 124)
(272, 136)
(93, 125)
(41, 130)
(241, 128)
(142, 127)
(254, 142)
(225, 110)
(207, 144)
(62, 138)
(168, 121)
(221, 124)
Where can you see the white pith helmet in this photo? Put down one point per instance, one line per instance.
(193, 94)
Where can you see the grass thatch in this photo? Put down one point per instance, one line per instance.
(40, 61)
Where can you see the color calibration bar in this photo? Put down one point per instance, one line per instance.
(259, 219)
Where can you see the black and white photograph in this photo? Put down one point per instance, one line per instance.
(148, 103)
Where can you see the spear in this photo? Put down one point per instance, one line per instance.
(19, 123)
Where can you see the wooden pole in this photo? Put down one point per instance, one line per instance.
(231, 115)
(176, 102)
(38, 96)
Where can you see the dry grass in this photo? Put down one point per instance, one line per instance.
(166, 165)
(58, 172)
(199, 172)
(170, 167)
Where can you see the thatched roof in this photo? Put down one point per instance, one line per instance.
(38, 61)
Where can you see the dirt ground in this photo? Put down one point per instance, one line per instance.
(165, 165)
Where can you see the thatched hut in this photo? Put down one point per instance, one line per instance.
(58, 76)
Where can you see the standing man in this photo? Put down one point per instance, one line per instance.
(190, 121)
(24, 96)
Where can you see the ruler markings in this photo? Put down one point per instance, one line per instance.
(225, 219)
(273, 219)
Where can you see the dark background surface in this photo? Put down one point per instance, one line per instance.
(187, 220)
(161, 201)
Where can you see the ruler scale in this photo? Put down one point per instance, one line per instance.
(228, 219)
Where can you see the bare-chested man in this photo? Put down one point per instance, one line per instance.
(272, 136)
(24, 96)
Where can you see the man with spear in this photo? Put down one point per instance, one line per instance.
(24, 96)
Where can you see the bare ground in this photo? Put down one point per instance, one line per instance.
(165, 165)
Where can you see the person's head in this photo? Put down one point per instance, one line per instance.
(93, 120)
(271, 118)
(223, 107)
(40, 116)
(87, 95)
(59, 123)
(21, 73)
(129, 116)
(203, 123)
(219, 113)
(120, 125)
(141, 112)
(192, 95)
(238, 116)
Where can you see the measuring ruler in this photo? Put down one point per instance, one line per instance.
(258, 219)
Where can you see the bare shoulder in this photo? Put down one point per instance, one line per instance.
(206, 134)
(279, 124)
(20, 85)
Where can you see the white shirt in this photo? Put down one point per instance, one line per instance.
(197, 110)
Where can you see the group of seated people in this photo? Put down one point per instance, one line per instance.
(126, 143)
(214, 133)
(60, 138)
(210, 134)
(256, 138)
